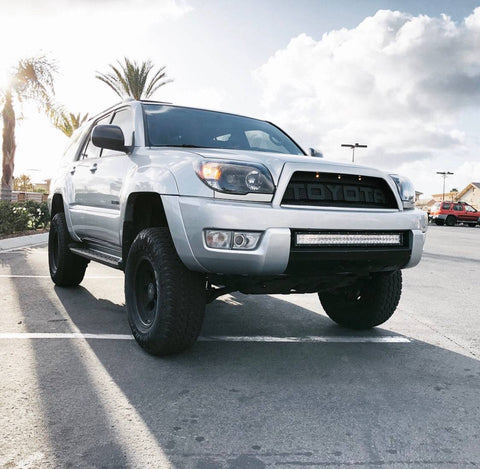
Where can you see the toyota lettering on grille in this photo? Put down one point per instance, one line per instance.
(335, 192)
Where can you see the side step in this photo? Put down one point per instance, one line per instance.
(98, 256)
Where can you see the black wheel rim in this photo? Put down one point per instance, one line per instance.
(146, 292)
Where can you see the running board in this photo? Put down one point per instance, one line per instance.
(98, 256)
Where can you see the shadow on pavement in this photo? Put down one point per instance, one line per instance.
(241, 405)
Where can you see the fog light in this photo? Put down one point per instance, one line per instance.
(245, 240)
(224, 239)
(218, 239)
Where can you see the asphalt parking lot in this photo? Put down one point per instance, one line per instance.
(77, 392)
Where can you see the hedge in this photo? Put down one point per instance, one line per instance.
(18, 217)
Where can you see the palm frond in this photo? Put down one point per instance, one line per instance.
(156, 82)
(65, 121)
(131, 79)
(33, 79)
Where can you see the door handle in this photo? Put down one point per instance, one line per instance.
(93, 168)
(72, 171)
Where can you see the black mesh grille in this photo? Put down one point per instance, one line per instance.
(338, 190)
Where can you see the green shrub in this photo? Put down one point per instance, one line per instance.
(18, 217)
(38, 212)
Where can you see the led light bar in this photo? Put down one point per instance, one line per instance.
(348, 239)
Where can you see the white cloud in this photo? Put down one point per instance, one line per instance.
(396, 82)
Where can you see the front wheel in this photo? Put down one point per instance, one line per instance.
(165, 301)
(66, 268)
(366, 304)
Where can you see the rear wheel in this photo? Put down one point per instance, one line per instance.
(451, 220)
(366, 304)
(165, 301)
(66, 268)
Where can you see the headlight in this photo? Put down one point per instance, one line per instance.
(235, 178)
(405, 189)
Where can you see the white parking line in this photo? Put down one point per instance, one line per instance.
(48, 276)
(63, 335)
(221, 338)
(306, 339)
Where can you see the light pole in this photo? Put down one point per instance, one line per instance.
(444, 174)
(353, 146)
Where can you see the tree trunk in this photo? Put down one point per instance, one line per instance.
(8, 147)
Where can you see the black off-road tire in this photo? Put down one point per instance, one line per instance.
(366, 305)
(450, 221)
(165, 301)
(439, 222)
(66, 269)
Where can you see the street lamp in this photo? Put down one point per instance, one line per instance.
(444, 174)
(353, 146)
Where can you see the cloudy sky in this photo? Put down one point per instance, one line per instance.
(401, 76)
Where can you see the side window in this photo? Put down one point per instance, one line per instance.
(124, 119)
(469, 208)
(75, 141)
(446, 206)
(458, 207)
(90, 150)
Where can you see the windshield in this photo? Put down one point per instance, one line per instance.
(186, 127)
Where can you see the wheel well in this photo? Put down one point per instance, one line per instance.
(57, 205)
(144, 210)
(451, 220)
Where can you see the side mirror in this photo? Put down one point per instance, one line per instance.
(315, 153)
(110, 137)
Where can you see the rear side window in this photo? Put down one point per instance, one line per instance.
(446, 206)
(458, 207)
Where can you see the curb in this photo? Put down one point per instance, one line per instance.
(11, 244)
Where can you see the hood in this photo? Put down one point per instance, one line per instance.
(273, 161)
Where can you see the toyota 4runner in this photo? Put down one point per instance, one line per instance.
(193, 204)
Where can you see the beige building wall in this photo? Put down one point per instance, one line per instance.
(471, 195)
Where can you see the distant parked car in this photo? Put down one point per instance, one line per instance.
(450, 213)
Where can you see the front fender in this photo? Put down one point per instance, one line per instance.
(151, 179)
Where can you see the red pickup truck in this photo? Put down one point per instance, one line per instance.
(450, 213)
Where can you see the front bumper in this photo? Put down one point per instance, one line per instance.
(188, 217)
(440, 216)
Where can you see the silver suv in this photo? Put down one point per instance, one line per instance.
(193, 204)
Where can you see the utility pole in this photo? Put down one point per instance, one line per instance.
(444, 174)
(353, 146)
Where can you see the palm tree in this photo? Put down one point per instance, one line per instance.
(130, 79)
(31, 78)
(67, 122)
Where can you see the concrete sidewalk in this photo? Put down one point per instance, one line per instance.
(10, 244)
